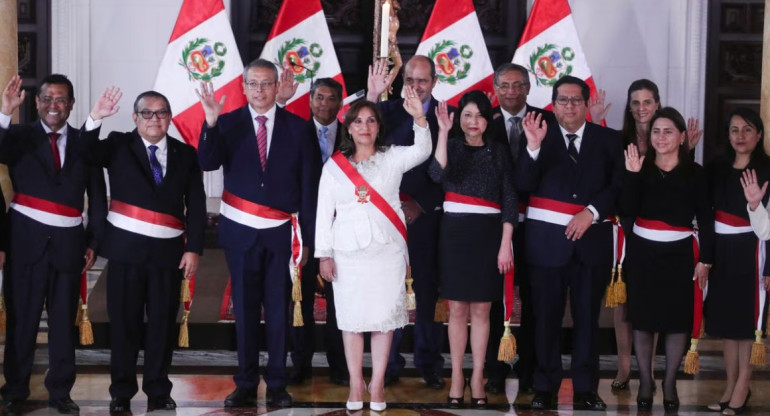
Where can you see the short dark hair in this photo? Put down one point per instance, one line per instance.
(753, 119)
(508, 67)
(569, 79)
(347, 146)
(151, 94)
(629, 124)
(670, 113)
(428, 61)
(485, 108)
(260, 63)
(326, 82)
(58, 79)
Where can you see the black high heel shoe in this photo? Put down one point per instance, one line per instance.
(718, 406)
(737, 410)
(645, 403)
(478, 402)
(619, 385)
(457, 402)
(669, 405)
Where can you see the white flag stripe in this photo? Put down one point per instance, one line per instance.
(182, 94)
(307, 30)
(465, 31)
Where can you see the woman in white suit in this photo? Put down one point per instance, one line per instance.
(361, 238)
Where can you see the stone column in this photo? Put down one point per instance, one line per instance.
(9, 66)
(764, 108)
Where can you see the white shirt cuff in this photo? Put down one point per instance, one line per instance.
(595, 212)
(92, 124)
(533, 153)
(5, 121)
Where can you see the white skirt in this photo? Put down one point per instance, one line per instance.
(369, 291)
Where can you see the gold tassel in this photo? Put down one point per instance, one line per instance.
(692, 361)
(184, 332)
(3, 325)
(620, 288)
(507, 350)
(758, 350)
(609, 293)
(298, 321)
(79, 314)
(411, 301)
(185, 293)
(86, 332)
(296, 297)
(441, 315)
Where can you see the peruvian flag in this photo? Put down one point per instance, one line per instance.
(202, 48)
(549, 49)
(300, 40)
(453, 40)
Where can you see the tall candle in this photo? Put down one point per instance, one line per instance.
(384, 28)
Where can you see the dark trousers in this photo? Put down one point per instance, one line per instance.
(133, 292)
(428, 335)
(26, 288)
(260, 277)
(586, 285)
(303, 338)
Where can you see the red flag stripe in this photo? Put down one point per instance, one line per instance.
(486, 84)
(190, 121)
(548, 12)
(193, 13)
(451, 11)
(291, 13)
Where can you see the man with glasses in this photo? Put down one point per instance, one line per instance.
(511, 83)
(421, 201)
(572, 171)
(49, 247)
(152, 239)
(272, 165)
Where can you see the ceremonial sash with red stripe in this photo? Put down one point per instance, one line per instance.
(144, 221)
(382, 212)
(551, 210)
(459, 203)
(46, 212)
(726, 223)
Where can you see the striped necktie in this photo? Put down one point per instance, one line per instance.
(262, 140)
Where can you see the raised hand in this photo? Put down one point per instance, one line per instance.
(13, 96)
(211, 107)
(491, 96)
(597, 109)
(443, 116)
(287, 87)
(694, 132)
(633, 160)
(107, 104)
(535, 129)
(412, 103)
(751, 189)
(377, 82)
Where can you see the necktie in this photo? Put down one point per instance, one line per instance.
(157, 170)
(55, 150)
(323, 141)
(514, 135)
(571, 149)
(262, 140)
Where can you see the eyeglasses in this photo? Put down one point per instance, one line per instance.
(58, 101)
(516, 86)
(161, 114)
(566, 100)
(254, 85)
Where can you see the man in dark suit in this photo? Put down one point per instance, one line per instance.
(571, 170)
(152, 239)
(272, 165)
(325, 103)
(421, 201)
(511, 83)
(49, 247)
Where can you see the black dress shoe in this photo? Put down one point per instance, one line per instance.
(544, 400)
(434, 381)
(12, 407)
(242, 397)
(120, 405)
(588, 401)
(391, 379)
(495, 386)
(64, 405)
(644, 404)
(298, 375)
(340, 379)
(279, 398)
(671, 405)
(160, 403)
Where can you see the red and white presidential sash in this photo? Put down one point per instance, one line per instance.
(552, 211)
(464, 204)
(725, 223)
(660, 231)
(144, 221)
(47, 212)
(379, 209)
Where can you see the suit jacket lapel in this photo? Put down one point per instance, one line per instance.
(244, 136)
(140, 152)
(42, 144)
(172, 159)
(70, 149)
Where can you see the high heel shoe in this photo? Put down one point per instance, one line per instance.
(478, 402)
(737, 410)
(376, 406)
(644, 403)
(356, 405)
(457, 402)
(619, 385)
(718, 406)
(669, 405)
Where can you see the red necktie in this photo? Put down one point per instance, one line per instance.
(55, 150)
(262, 140)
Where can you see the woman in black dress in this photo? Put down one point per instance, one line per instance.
(480, 210)
(664, 191)
(735, 279)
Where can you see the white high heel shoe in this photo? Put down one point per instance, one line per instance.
(376, 406)
(353, 406)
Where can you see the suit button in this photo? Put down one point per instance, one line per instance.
(574, 196)
(261, 185)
